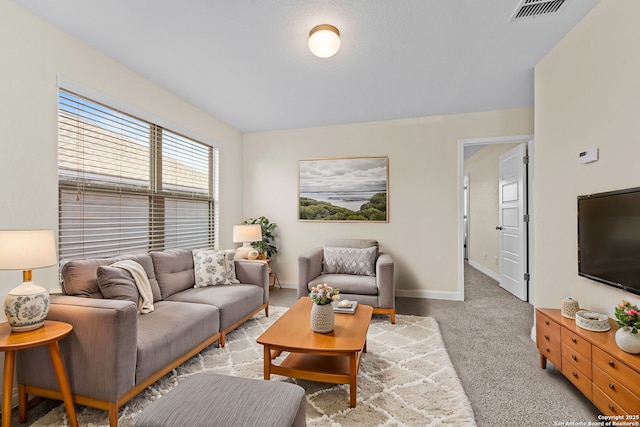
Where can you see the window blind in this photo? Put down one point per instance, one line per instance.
(127, 185)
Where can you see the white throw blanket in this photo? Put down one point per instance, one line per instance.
(145, 302)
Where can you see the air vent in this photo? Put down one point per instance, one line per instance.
(534, 8)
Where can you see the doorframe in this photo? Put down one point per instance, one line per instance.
(462, 143)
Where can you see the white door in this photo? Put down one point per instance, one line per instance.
(513, 222)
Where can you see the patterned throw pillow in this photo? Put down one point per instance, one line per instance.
(361, 262)
(214, 267)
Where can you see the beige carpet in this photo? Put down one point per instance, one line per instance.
(405, 379)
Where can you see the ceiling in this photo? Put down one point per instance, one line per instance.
(246, 62)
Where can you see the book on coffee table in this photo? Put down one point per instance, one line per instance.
(350, 309)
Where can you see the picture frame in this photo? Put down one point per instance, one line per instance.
(346, 189)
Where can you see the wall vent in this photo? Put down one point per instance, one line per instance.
(534, 8)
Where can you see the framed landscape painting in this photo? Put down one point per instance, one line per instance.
(345, 189)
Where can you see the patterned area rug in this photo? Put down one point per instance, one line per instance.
(405, 379)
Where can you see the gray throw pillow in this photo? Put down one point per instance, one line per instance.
(117, 283)
(340, 260)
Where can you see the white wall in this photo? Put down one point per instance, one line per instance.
(484, 240)
(422, 232)
(587, 95)
(32, 55)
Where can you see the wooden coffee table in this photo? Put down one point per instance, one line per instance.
(331, 358)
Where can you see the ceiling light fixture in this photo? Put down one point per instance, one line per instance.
(324, 40)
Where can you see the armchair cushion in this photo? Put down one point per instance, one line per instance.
(348, 283)
(356, 261)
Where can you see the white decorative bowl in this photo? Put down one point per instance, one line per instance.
(596, 322)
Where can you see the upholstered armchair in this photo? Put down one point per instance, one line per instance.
(356, 267)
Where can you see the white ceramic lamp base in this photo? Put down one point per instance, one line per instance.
(26, 307)
(244, 251)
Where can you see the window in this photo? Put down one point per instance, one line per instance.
(127, 185)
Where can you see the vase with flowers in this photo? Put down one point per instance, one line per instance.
(628, 317)
(322, 316)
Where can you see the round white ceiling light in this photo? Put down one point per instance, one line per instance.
(324, 40)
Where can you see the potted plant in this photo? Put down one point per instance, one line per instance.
(628, 317)
(266, 247)
(322, 316)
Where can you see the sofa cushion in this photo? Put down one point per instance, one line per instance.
(169, 331)
(214, 267)
(234, 301)
(117, 283)
(174, 270)
(356, 261)
(347, 283)
(80, 277)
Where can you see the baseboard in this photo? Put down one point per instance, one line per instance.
(408, 293)
(418, 293)
(484, 270)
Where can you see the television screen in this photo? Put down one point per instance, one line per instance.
(609, 238)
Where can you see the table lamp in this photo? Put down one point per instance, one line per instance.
(27, 305)
(246, 234)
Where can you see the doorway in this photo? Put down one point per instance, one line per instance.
(491, 233)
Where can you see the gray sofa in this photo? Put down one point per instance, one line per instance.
(113, 352)
(356, 267)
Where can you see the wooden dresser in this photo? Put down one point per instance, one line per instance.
(592, 361)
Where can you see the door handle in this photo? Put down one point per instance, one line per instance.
(499, 227)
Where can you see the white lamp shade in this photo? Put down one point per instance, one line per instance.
(247, 233)
(324, 40)
(27, 249)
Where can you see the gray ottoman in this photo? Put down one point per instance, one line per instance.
(205, 400)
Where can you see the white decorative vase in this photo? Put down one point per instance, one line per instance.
(322, 318)
(26, 307)
(627, 341)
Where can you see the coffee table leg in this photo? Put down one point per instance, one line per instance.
(353, 383)
(267, 363)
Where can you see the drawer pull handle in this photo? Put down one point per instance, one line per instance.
(573, 356)
(573, 340)
(575, 374)
(611, 363)
(546, 337)
(612, 387)
(548, 350)
(546, 322)
(612, 408)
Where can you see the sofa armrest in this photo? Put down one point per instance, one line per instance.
(254, 272)
(309, 267)
(99, 354)
(385, 281)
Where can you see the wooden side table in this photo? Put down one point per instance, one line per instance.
(273, 277)
(49, 335)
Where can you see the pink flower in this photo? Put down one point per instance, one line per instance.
(632, 312)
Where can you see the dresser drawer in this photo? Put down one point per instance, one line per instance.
(548, 339)
(605, 404)
(577, 377)
(577, 360)
(618, 393)
(576, 343)
(617, 370)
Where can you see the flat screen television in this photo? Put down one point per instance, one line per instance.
(609, 238)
